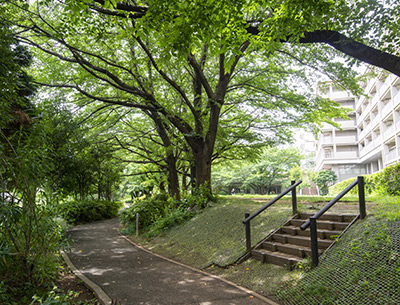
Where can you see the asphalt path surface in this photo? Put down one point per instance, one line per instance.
(131, 275)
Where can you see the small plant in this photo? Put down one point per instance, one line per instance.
(176, 217)
(57, 297)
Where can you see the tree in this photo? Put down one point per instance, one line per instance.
(324, 179)
(187, 62)
(29, 236)
(268, 173)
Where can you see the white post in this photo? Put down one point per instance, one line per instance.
(137, 224)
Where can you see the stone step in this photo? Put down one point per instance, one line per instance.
(303, 241)
(295, 250)
(277, 258)
(329, 217)
(323, 234)
(289, 245)
(322, 224)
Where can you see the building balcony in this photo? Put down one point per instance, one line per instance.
(366, 149)
(391, 155)
(375, 121)
(383, 89)
(327, 140)
(389, 132)
(377, 141)
(339, 95)
(363, 113)
(345, 155)
(386, 109)
(348, 124)
(346, 140)
(396, 99)
(362, 134)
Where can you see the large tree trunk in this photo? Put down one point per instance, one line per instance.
(173, 181)
(202, 161)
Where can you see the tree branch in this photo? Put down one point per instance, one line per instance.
(349, 47)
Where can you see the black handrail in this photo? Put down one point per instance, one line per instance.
(312, 222)
(249, 217)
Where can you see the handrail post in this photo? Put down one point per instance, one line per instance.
(314, 240)
(294, 199)
(361, 196)
(248, 235)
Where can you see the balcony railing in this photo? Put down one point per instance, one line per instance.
(391, 155)
(386, 109)
(375, 121)
(389, 132)
(366, 148)
(346, 139)
(345, 155)
(377, 141)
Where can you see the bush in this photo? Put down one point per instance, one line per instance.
(37, 263)
(386, 182)
(76, 212)
(176, 217)
(340, 186)
(161, 212)
(150, 209)
(390, 180)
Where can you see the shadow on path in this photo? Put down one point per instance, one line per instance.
(133, 276)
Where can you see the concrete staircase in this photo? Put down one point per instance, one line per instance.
(289, 245)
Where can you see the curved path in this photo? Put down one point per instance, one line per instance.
(119, 270)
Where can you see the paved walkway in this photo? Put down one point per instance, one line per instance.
(120, 271)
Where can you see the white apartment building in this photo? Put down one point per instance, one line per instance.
(370, 139)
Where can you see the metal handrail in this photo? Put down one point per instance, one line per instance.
(249, 217)
(312, 222)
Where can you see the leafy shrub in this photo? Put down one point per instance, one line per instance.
(57, 297)
(390, 179)
(340, 186)
(199, 199)
(89, 210)
(176, 217)
(380, 183)
(161, 212)
(30, 271)
(150, 209)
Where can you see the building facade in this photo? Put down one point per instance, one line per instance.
(370, 139)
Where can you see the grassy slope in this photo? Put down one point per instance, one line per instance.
(215, 238)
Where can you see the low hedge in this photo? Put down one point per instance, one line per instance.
(76, 212)
(386, 182)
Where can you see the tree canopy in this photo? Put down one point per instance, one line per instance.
(366, 30)
(207, 74)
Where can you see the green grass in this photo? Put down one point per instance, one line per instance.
(216, 236)
(215, 239)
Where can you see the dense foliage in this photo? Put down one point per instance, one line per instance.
(265, 174)
(159, 212)
(76, 212)
(385, 182)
